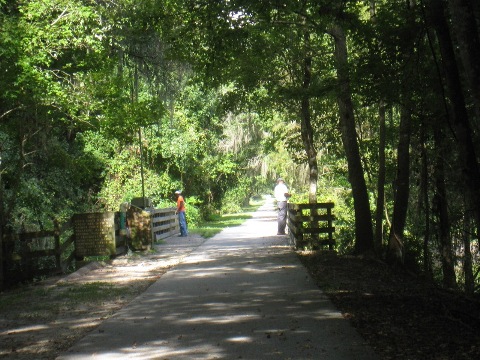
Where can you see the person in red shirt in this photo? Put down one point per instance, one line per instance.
(182, 220)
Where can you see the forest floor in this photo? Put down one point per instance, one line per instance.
(399, 315)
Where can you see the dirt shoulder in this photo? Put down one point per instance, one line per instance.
(42, 320)
(400, 316)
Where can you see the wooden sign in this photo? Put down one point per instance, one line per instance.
(94, 234)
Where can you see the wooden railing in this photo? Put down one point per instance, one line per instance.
(35, 254)
(40, 253)
(311, 225)
(164, 223)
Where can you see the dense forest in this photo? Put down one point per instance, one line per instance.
(374, 105)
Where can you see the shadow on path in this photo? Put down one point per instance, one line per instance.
(242, 294)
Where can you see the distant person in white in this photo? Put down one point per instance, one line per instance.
(281, 195)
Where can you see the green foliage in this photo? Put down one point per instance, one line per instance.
(216, 224)
(237, 198)
(93, 292)
(193, 212)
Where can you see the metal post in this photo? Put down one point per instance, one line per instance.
(135, 94)
(141, 167)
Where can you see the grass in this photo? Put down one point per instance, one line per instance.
(94, 292)
(217, 223)
(47, 300)
(11, 298)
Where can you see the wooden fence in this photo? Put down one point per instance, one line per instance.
(311, 225)
(32, 255)
(36, 254)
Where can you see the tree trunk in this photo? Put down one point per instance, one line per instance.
(7, 205)
(441, 206)
(402, 186)
(2, 226)
(466, 34)
(380, 181)
(363, 216)
(380, 203)
(306, 125)
(463, 133)
(467, 258)
(401, 191)
(476, 13)
(425, 204)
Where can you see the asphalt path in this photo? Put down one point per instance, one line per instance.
(242, 294)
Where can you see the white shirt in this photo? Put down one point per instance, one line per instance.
(280, 191)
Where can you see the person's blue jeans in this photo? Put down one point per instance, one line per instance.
(182, 221)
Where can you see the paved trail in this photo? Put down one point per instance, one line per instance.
(242, 294)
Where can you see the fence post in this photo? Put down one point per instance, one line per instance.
(330, 227)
